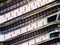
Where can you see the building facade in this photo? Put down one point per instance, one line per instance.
(30, 22)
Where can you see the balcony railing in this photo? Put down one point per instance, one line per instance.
(55, 41)
(30, 19)
(26, 8)
(28, 36)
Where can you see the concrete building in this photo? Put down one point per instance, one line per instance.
(30, 22)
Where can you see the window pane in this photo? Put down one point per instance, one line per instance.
(52, 18)
(56, 34)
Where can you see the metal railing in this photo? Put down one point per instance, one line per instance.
(30, 19)
(28, 36)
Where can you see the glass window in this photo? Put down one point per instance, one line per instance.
(52, 18)
(55, 34)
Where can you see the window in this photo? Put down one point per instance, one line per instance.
(55, 34)
(52, 18)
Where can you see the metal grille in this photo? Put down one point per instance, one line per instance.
(30, 19)
(51, 42)
(26, 37)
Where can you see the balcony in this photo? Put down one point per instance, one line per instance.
(27, 36)
(30, 19)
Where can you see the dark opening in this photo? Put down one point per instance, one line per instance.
(52, 18)
(2, 1)
(59, 17)
(55, 34)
